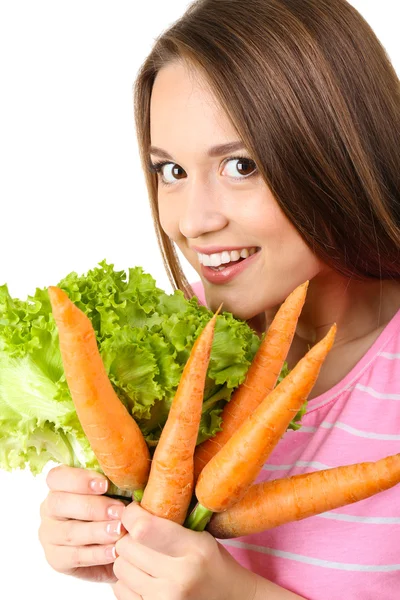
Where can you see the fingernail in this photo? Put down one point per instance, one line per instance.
(114, 528)
(115, 511)
(111, 552)
(99, 485)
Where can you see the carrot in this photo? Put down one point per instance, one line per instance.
(260, 379)
(170, 487)
(280, 501)
(227, 477)
(113, 434)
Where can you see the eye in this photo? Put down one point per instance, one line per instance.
(168, 172)
(239, 167)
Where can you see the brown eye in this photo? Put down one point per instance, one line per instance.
(171, 173)
(239, 168)
(177, 172)
(168, 172)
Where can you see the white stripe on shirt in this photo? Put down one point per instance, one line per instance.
(389, 355)
(360, 519)
(371, 392)
(310, 560)
(352, 430)
(299, 463)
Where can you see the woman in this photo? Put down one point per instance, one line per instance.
(269, 135)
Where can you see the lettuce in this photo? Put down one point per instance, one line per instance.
(144, 336)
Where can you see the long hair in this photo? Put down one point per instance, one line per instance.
(313, 95)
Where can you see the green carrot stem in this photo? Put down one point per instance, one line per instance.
(198, 519)
(113, 491)
(138, 495)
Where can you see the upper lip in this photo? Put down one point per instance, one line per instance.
(218, 249)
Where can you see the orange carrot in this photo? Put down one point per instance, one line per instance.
(280, 501)
(170, 487)
(113, 434)
(229, 474)
(260, 379)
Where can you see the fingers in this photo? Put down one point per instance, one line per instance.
(79, 533)
(136, 580)
(77, 481)
(80, 525)
(146, 559)
(65, 505)
(159, 534)
(67, 559)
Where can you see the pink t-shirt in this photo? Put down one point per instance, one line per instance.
(352, 552)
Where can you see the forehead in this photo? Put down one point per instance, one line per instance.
(184, 109)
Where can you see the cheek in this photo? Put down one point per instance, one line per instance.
(169, 219)
(271, 225)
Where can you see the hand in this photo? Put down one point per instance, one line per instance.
(79, 525)
(160, 560)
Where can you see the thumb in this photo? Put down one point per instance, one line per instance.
(159, 534)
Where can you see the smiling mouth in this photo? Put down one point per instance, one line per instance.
(226, 266)
(232, 263)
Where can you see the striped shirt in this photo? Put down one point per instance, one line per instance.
(351, 552)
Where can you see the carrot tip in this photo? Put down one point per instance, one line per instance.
(218, 309)
(57, 297)
(331, 335)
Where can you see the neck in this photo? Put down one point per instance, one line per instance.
(357, 307)
(360, 309)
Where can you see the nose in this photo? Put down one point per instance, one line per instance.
(203, 210)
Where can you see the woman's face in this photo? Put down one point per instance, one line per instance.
(215, 205)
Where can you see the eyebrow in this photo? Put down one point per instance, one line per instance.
(213, 152)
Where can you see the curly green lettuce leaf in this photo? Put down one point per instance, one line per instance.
(144, 337)
(38, 422)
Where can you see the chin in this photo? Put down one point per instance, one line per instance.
(244, 311)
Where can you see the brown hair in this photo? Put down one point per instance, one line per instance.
(313, 95)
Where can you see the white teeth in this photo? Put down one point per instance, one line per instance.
(215, 260)
(222, 258)
(225, 257)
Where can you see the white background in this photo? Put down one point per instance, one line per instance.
(72, 191)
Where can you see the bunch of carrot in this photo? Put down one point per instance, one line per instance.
(221, 471)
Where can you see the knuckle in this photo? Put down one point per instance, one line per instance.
(131, 513)
(141, 528)
(53, 475)
(206, 543)
(53, 503)
(42, 534)
(76, 557)
(69, 532)
(54, 561)
(194, 563)
(50, 476)
(43, 508)
(89, 508)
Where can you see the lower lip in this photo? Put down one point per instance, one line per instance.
(229, 273)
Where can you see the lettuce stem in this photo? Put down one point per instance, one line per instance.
(220, 395)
